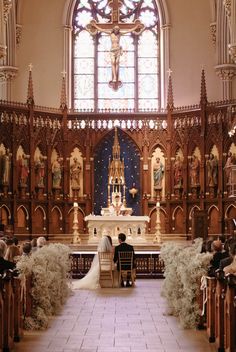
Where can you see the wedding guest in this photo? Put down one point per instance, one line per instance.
(26, 249)
(218, 255)
(224, 263)
(4, 264)
(41, 241)
(34, 244)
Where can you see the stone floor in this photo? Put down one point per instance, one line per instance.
(116, 320)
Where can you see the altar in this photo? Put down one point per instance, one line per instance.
(134, 227)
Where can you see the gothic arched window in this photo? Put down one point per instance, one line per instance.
(139, 64)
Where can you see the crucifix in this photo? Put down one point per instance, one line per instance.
(115, 29)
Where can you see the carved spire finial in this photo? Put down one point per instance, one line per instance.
(170, 98)
(203, 99)
(30, 93)
(116, 147)
(63, 103)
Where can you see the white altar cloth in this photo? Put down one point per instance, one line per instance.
(133, 226)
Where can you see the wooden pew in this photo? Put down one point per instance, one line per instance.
(219, 313)
(230, 315)
(211, 310)
(1, 312)
(8, 312)
(18, 309)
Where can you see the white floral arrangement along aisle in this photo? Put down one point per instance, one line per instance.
(184, 267)
(49, 268)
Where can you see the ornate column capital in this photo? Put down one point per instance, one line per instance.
(18, 33)
(213, 32)
(232, 51)
(226, 72)
(7, 73)
(6, 9)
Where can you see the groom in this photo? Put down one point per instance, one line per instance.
(123, 247)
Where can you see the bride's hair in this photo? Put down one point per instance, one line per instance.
(104, 245)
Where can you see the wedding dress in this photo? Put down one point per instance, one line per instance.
(91, 279)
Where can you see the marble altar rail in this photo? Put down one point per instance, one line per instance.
(148, 264)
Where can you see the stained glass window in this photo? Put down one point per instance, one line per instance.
(139, 62)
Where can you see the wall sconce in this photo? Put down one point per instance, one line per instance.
(133, 191)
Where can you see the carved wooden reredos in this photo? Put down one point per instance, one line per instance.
(51, 158)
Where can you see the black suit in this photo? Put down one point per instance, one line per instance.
(225, 262)
(5, 264)
(123, 247)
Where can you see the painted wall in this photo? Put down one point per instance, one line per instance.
(191, 48)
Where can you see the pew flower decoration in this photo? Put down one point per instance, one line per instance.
(48, 268)
(184, 267)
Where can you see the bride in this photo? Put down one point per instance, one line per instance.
(91, 280)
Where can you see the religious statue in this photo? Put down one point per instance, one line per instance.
(228, 167)
(194, 170)
(6, 167)
(56, 174)
(40, 171)
(23, 169)
(158, 173)
(178, 172)
(212, 170)
(115, 31)
(75, 170)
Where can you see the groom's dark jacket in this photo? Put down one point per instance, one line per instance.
(123, 247)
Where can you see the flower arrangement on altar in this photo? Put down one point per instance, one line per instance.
(49, 268)
(184, 267)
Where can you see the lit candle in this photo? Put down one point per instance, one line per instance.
(158, 204)
(75, 205)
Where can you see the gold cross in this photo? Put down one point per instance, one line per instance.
(115, 29)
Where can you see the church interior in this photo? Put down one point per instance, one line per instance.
(120, 116)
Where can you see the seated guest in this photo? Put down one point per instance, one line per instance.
(231, 269)
(4, 264)
(41, 241)
(227, 261)
(12, 251)
(26, 248)
(123, 247)
(218, 255)
(34, 244)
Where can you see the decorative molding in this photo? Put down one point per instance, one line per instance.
(232, 51)
(7, 73)
(18, 33)
(6, 9)
(213, 33)
(227, 5)
(3, 51)
(226, 72)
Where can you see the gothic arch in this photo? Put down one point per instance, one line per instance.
(164, 46)
(152, 222)
(195, 207)
(5, 214)
(230, 208)
(213, 219)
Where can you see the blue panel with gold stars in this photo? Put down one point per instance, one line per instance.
(130, 153)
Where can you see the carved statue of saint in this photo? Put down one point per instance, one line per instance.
(56, 174)
(40, 171)
(228, 167)
(194, 171)
(178, 172)
(6, 167)
(158, 173)
(23, 169)
(212, 170)
(75, 170)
